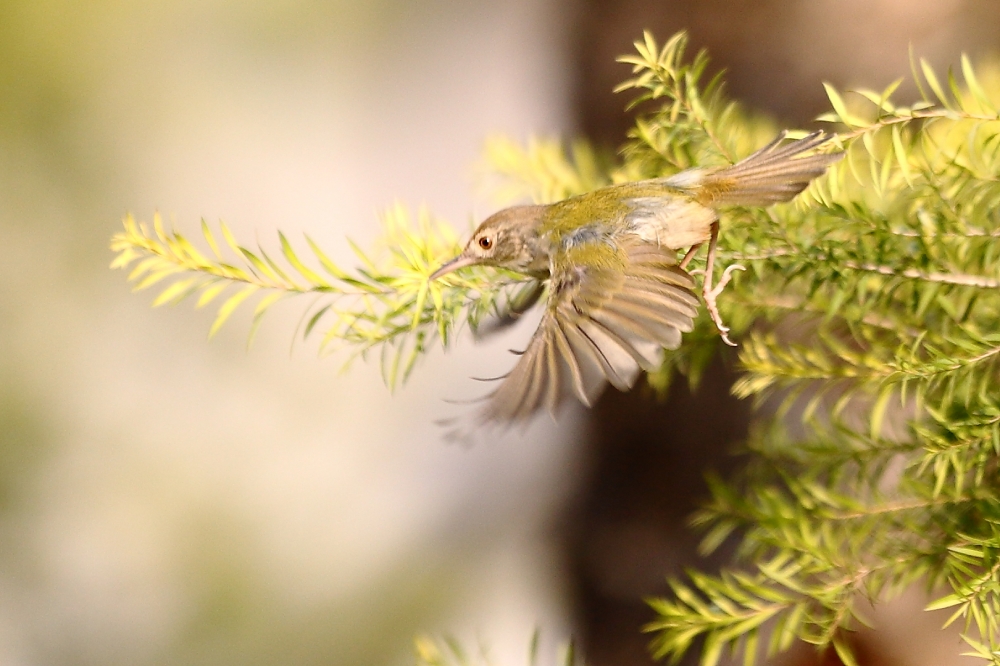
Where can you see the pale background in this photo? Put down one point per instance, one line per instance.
(171, 500)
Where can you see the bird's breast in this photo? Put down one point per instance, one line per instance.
(673, 222)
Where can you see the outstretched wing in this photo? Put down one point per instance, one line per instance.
(600, 325)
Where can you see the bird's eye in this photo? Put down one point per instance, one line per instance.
(486, 242)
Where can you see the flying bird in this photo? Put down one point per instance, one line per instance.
(615, 292)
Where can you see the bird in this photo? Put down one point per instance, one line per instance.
(607, 264)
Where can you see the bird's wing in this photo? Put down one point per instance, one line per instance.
(600, 325)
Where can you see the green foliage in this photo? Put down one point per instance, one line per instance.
(696, 125)
(867, 323)
(873, 299)
(388, 304)
(541, 171)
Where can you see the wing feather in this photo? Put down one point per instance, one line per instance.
(519, 392)
(586, 345)
(568, 357)
(601, 325)
(553, 379)
(633, 320)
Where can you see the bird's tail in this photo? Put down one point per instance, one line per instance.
(774, 173)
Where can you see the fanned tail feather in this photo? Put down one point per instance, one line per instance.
(773, 174)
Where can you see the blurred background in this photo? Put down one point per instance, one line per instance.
(165, 500)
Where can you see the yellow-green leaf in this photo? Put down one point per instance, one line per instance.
(229, 306)
(210, 238)
(837, 102)
(176, 292)
(293, 259)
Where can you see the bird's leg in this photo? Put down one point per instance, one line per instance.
(688, 256)
(709, 293)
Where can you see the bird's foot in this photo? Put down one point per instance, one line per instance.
(727, 275)
(710, 295)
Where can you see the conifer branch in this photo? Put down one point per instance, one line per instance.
(894, 259)
(388, 305)
(940, 278)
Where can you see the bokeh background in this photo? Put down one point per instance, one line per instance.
(168, 500)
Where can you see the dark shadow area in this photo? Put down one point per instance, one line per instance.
(647, 462)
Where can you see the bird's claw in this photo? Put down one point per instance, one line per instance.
(710, 296)
(727, 275)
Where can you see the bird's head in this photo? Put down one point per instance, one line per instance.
(507, 239)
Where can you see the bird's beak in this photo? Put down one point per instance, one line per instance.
(461, 261)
